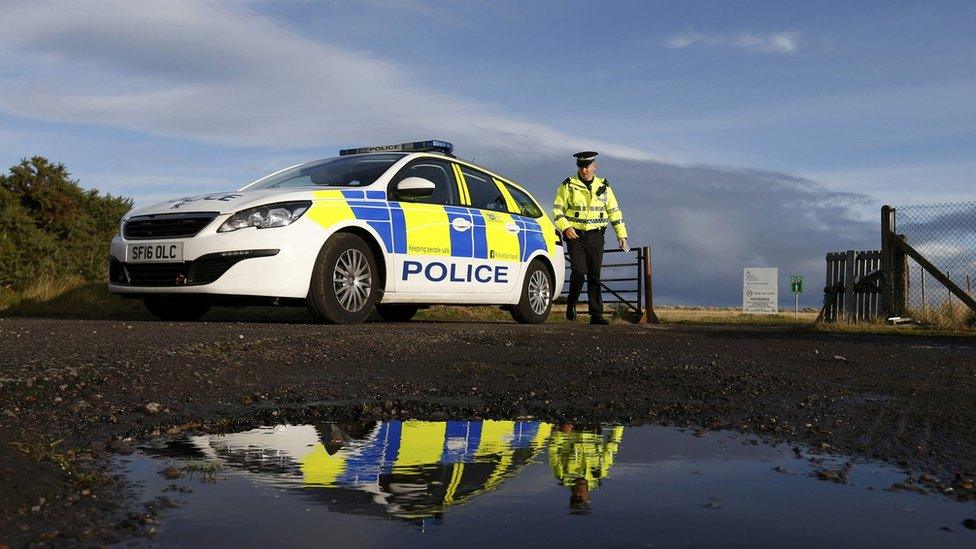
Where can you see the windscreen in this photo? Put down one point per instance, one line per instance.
(342, 171)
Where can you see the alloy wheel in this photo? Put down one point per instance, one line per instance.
(352, 280)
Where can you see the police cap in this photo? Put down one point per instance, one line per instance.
(585, 158)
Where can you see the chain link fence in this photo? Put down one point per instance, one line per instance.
(946, 235)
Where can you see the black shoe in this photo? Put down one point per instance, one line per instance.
(599, 321)
(570, 312)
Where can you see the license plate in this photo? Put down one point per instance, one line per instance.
(163, 252)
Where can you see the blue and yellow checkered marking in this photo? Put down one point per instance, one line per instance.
(391, 223)
(480, 235)
(462, 242)
(531, 238)
(399, 225)
(409, 444)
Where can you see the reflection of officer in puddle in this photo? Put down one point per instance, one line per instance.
(580, 458)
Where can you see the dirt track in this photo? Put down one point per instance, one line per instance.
(87, 384)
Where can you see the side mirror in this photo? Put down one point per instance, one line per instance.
(415, 187)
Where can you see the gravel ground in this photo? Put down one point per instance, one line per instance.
(73, 392)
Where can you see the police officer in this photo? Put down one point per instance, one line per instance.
(583, 208)
(581, 458)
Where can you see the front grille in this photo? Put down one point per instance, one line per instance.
(203, 270)
(176, 225)
(156, 274)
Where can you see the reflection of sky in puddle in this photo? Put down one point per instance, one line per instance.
(527, 483)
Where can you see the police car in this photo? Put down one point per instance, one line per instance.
(395, 228)
(404, 469)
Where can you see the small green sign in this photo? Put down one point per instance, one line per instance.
(796, 284)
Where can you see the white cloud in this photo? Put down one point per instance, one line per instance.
(905, 183)
(777, 42)
(216, 72)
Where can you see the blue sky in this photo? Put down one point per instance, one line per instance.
(846, 104)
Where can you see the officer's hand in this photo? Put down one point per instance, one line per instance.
(570, 234)
(623, 244)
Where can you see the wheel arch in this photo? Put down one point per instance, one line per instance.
(544, 259)
(371, 240)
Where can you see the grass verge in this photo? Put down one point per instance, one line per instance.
(72, 297)
(68, 297)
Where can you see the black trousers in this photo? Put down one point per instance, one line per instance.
(586, 258)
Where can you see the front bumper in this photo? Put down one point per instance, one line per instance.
(273, 262)
(203, 270)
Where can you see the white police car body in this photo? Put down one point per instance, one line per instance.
(399, 227)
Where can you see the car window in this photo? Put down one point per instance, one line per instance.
(483, 191)
(527, 206)
(437, 171)
(342, 171)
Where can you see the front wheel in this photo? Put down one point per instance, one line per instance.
(536, 300)
(176, 307)
(344, 283)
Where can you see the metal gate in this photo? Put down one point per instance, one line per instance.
(626, 281)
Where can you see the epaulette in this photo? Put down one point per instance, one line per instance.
(566, 181)
(606, 182)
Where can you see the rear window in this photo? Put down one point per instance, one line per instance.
(342, 171)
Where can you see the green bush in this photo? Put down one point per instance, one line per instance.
(51, 227)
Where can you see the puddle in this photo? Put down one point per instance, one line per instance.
(417, 483)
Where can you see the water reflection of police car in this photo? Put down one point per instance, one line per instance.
(399, 227)
(404, 469)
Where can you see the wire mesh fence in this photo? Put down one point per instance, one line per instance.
(946, 235)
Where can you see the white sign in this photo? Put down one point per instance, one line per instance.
(760, 292)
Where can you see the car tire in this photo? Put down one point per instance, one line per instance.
(396, 313)
(537, 295)
(345, 282)
(176, 307)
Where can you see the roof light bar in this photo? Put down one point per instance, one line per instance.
(414, 146)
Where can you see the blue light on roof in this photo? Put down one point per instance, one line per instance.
(413, 146)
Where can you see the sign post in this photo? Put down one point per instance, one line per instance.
(760, 290)
(796, 286)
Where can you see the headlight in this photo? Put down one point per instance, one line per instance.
(265, 217)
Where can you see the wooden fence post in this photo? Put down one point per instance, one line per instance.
(889, 286)
(649, 316)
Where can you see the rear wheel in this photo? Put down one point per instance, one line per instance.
(536, 301)
(344, 283)
(397, 313)
(176, 307)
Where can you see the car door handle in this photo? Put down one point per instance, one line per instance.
(512, 228)
(460, 224)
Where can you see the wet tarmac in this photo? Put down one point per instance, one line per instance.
(447, 483)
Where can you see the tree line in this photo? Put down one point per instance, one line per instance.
(50, 227)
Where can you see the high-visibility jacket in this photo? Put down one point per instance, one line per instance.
(581, 455)
(587, 207)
